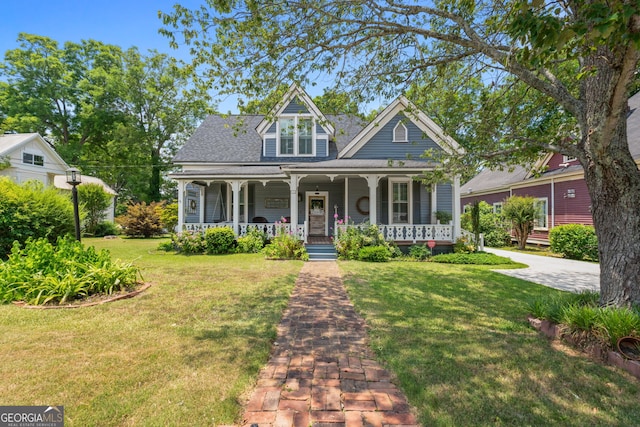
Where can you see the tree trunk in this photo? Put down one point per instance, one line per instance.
(613, 181)
(155, 179)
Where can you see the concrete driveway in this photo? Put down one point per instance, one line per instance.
(559, 273)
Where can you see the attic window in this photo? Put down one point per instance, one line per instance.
(567, 159)
(400, 133)
(32, 159)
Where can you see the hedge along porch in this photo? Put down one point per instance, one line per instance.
(242, 171)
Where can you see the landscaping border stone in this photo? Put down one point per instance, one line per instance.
(553, 331)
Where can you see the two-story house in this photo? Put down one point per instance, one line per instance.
(314, 169)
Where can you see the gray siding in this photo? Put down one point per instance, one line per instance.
(321, 148)
(320, 130)
(295, 107)
(273, 189)
(271, 147)
(445, 198)
(425, 205)
(273, 128)
(381, 145)
(357, 188)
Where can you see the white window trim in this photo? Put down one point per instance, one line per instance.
(406, 133)
(296, 141)
(568, 159)
(497, 205)
(546, 213)
(33, 156)
(407, 181)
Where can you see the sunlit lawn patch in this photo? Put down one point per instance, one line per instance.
(181, 353)
(458, 340)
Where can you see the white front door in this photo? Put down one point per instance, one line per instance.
(317, 212)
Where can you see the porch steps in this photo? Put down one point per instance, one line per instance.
(321, 252)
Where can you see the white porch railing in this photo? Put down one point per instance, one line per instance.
(270, 229)
(409, 232)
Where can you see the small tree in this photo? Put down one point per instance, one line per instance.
(521, 211)
(475, 222)
(141, 220)
(95, 201)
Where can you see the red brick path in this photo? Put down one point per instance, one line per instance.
(321, 372)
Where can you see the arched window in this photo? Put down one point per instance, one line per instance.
(400, 133)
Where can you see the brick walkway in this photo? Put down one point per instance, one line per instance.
(321, 372)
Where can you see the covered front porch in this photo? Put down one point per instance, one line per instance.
(315, 204)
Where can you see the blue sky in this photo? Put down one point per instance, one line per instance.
(124, 23)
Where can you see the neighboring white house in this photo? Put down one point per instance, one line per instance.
(30, 158)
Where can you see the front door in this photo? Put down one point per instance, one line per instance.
(317, 213)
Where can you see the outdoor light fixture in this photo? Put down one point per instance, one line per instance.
(74, 179)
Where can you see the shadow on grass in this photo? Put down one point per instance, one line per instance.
(458, 341)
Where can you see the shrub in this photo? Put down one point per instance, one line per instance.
(497, 238)
(141, 220)
(378, 253)
(492, 225)
(574, 241)
(444, 217)
(106, 229)
(478, 258)
(463, 246)
(42, 272)
(579, 317)
(32, 211)
(619, 322)
(189, 243)
(219, 240)
(350, 242)
(285, 246)
(94, 201)
(252, 242)
(169, 216)
(419, 252)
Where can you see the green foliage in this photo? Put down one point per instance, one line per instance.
(521, 211)
(106, 229)
(493, 226)
(349, 243)
(188, 243)
(477, 258)
(219, 240)
(378, 253)
(579, 317)
(443, 216)
(618, 322)
(420, 252)
(169, 216)
(252, 242)
(32, 211)
(285, 246)
(94, 201)
(463, 246)
(141, 220)
(574, 241)
(41, 273)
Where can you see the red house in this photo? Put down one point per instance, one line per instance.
(561, 189)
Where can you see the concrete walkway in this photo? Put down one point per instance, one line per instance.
(558, 273)
(321, 372)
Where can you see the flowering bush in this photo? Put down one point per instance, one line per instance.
(350, 242)
(285, 245)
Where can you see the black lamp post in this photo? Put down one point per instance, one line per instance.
(74, 179)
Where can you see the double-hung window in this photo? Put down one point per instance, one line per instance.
(32, 159)
(540, 221)
(400, 201)
(296, 136)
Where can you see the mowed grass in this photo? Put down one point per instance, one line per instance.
(185, 352)
(458, 341)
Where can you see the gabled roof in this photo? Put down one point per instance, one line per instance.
(60, 181)
(402, 104)
(294, 92)
(495, 180)
(10, 142)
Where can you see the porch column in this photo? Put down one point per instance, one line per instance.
(456, 207)
(235, 189)
(346, 198)
(201, 205)
(181, 190)
(372, 180)
(293, 187)
(434, 202)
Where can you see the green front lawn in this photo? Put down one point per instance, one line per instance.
(458, 340)
(187, 351)
(182, 353)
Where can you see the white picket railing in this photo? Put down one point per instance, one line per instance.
(408, 232)
(270, 229)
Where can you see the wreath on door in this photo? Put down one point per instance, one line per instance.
(362, 205)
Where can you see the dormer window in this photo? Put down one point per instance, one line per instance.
(567, 159)
(32, 159)
(400, 133)
(296, 136)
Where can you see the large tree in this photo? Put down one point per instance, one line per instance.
(118, 115)
(578, 56)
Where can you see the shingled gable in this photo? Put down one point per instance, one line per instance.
(402, 106)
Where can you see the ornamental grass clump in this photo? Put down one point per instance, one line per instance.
(41, 273)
